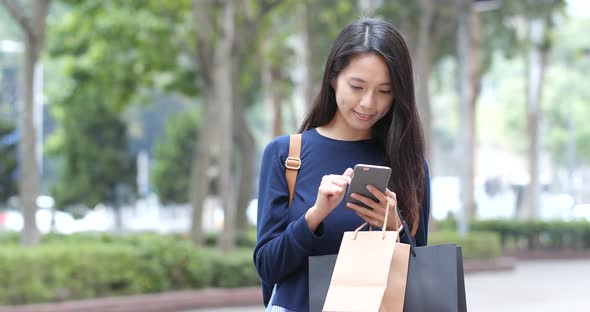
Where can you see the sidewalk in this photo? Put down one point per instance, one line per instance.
(163, 302)
(538, 285)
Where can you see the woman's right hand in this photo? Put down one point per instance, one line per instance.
(330, 194)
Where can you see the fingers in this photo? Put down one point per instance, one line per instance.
(379, 205)
(376, 216)
(331, 189)
(339, 180)
(368, 215)
(391, 194)
(334, 184)
(377, 193)
(348, 172)
(367, 201)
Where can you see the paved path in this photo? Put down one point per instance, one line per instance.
(540, 286)
(534, 286)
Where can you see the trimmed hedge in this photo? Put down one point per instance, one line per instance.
(475, 245)
(48, 273)
(521, 234)
(66, 267)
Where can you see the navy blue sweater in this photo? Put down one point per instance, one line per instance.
(284, 241)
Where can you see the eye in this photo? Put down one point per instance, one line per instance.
(385, 91)
(355, 87)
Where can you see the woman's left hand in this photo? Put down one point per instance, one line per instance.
(376, 216)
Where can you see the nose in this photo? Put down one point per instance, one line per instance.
(368, 99)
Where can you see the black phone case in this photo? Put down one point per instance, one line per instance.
(377, 176)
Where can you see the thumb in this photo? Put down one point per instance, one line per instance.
(348, 172)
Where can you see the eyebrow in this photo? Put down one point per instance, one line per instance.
(361, 80)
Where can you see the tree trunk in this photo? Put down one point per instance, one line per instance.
(34, 33)
(118, 214)
(423, 64)
(29, 166)
(475, 73)
(305, 50)
(223, 80)
(201, 158)
(277, 127)
(408, 30)
(246, 145)
(465, 89)
(267, 85)
(536, 63)
(271, 79)
(199, 179)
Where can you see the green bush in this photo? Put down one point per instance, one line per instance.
(233, 270)
(538, 234)
(53, 272)
(9, 238)
(531, 234)
(91, 265)
(475, 245)
(165, 264)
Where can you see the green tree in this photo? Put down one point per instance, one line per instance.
(107, 61)
(96, 162)
(173, 155)
(8, 160)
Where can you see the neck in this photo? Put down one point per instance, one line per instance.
(337, 129)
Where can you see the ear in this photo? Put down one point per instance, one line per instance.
(333, 84)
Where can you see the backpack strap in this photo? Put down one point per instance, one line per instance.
(293, 163)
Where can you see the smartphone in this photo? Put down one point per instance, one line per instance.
(377, 176)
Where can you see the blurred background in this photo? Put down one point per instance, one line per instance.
(131, 132)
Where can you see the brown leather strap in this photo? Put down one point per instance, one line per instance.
(293, 163)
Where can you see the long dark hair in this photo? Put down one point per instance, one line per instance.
(399, 132)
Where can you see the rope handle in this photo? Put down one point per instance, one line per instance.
(384, 228)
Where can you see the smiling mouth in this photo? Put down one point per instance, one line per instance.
(363, 117)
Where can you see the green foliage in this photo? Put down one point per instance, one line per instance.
(54, 272)
(96, 161)
(173, 157)
(105, 61)
(521, 234)
(168, 263)
(539, 234)
(475, 245)
(564, 102)
(327, 19)
(119, 54)
(94, 265)
(8, 160)
(233, 271)
(9, 238)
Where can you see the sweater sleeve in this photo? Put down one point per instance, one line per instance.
(282, 245)
(421, 236)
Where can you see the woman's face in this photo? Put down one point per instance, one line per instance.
(363, 91)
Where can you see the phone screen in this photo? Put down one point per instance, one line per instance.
(377, 176)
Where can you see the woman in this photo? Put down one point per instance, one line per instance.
(364, 113)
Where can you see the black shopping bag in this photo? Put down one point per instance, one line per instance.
(435, 280)
(320, 275)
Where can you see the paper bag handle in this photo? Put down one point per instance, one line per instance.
(384, 228)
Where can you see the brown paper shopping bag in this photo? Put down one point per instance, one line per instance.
(370, 273)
